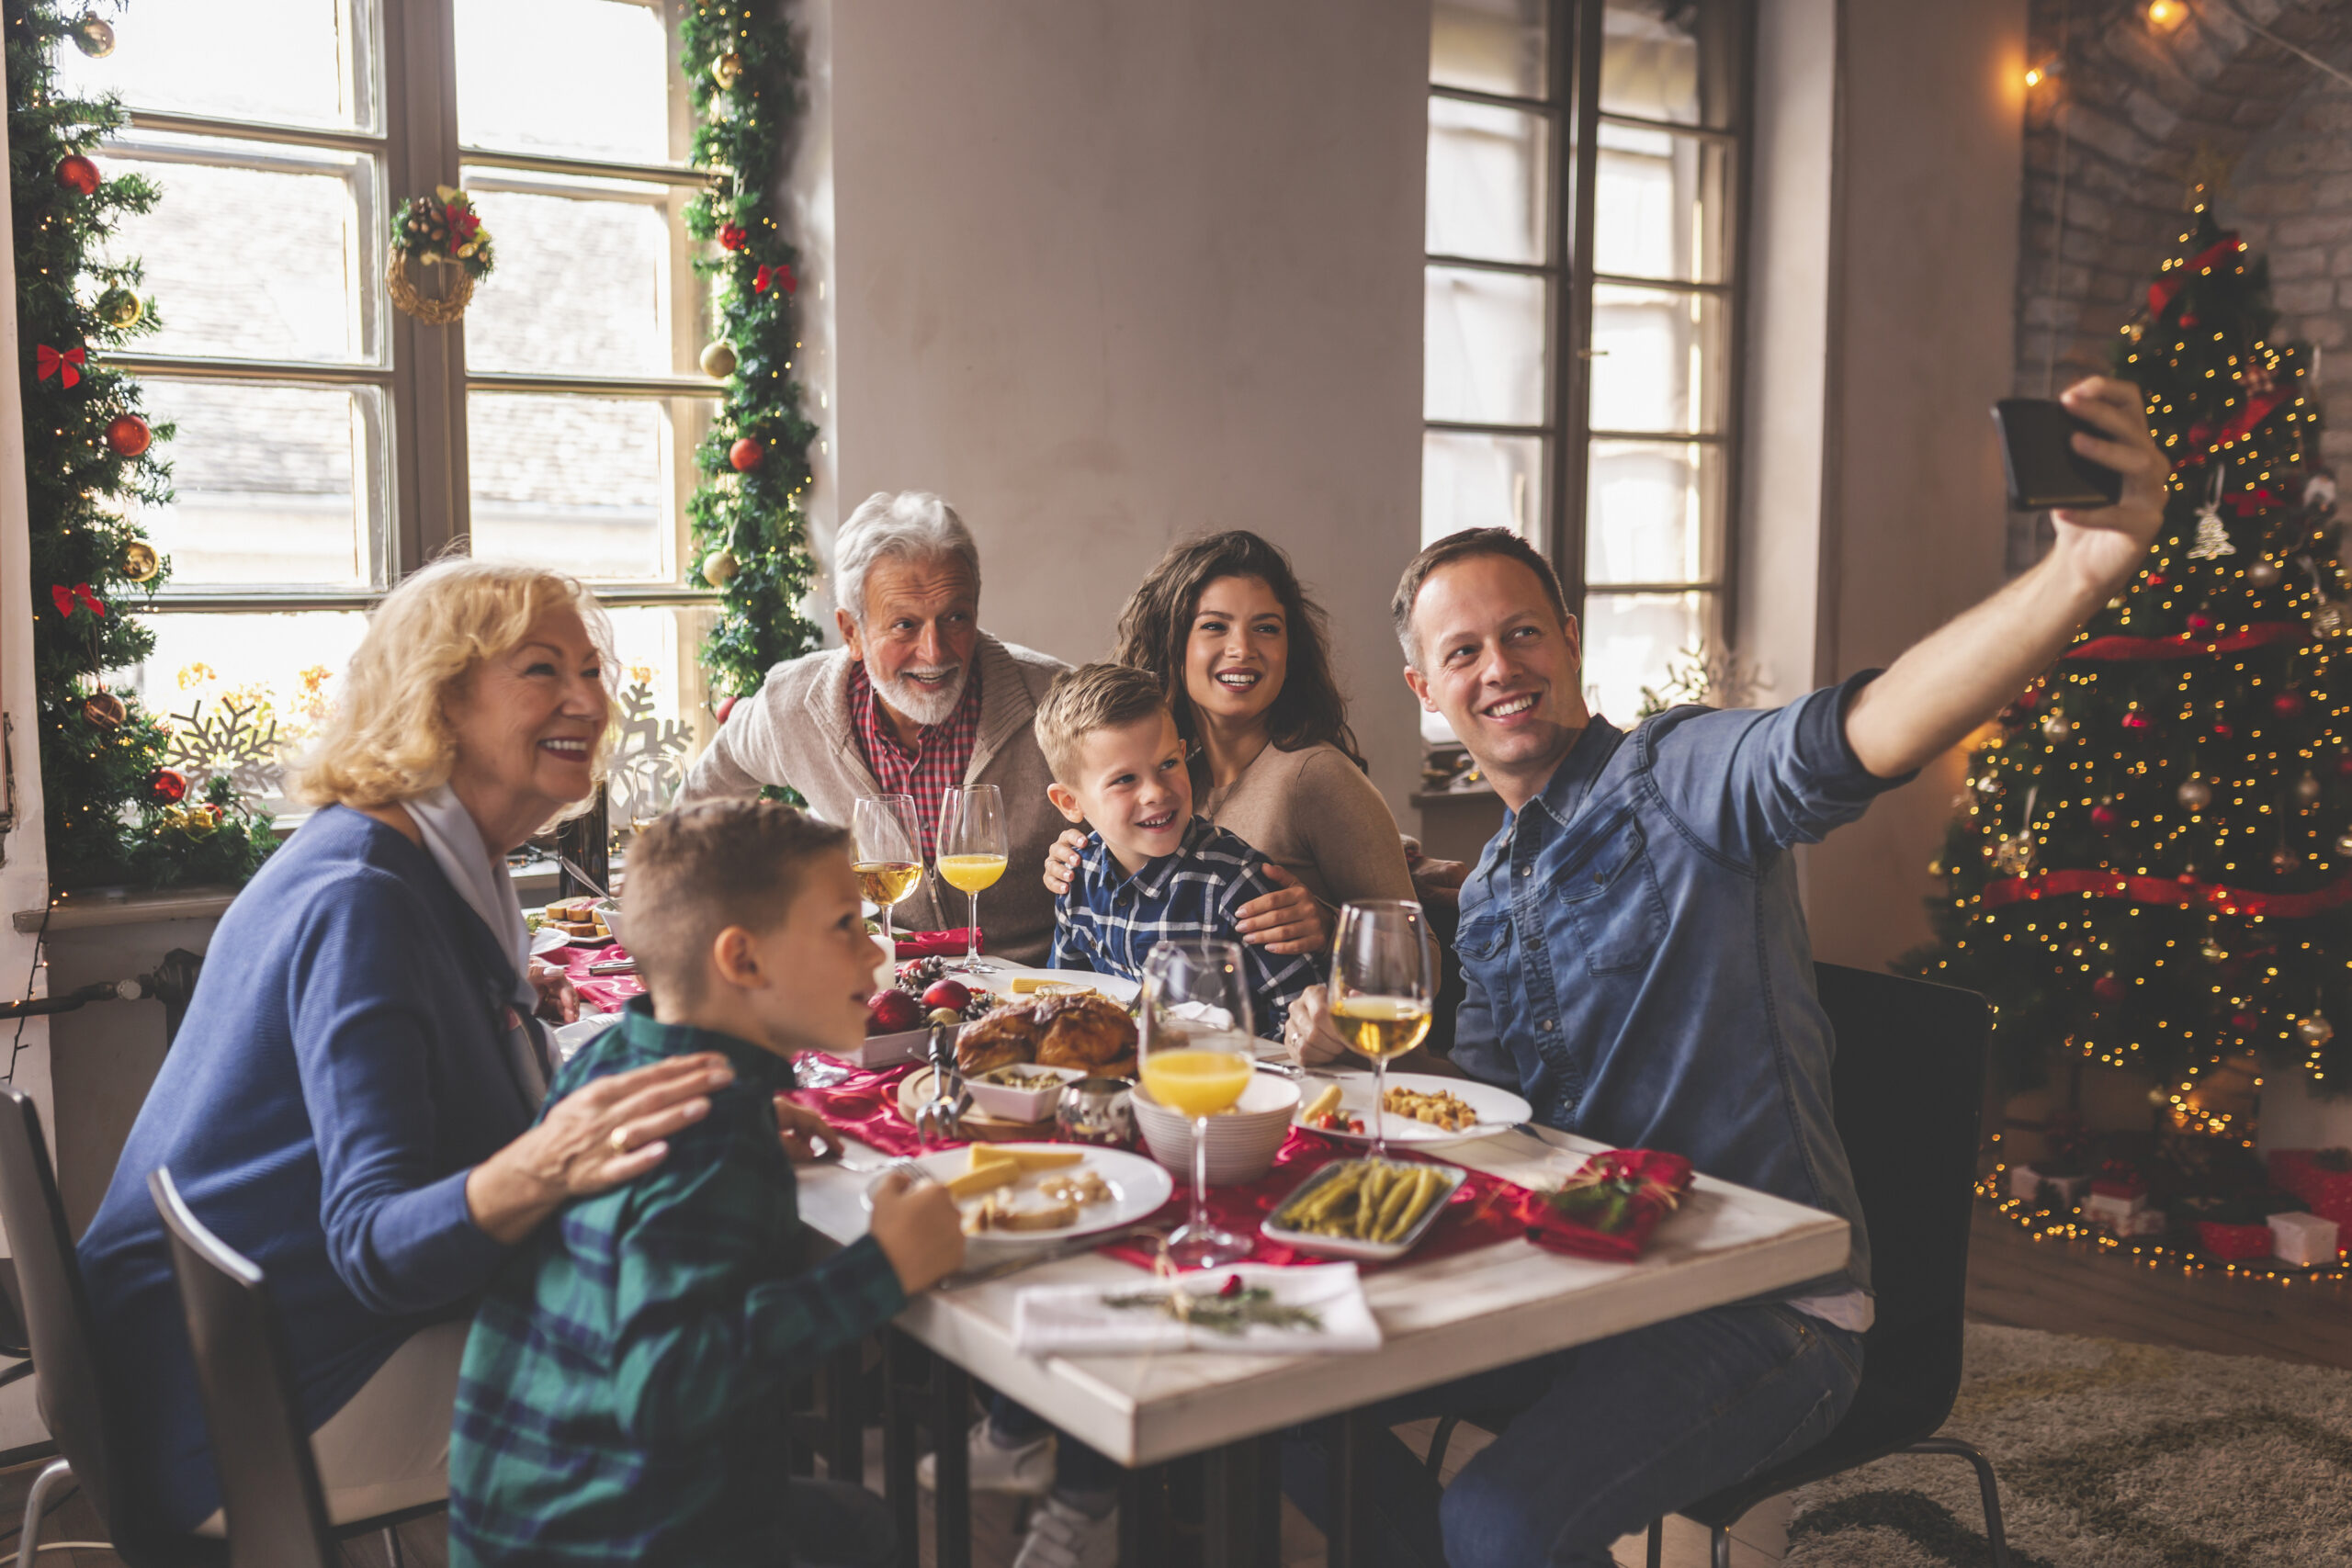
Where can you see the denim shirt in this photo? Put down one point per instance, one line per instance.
(1637, 960)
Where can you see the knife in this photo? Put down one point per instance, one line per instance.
(1053, 1253)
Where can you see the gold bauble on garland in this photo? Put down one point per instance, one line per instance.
(719, 360)
(140, 561)
(718, 568)
(104, 709)
(727, 69)
(121, 308)
(93, 35)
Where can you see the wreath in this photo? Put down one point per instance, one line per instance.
(437, 239)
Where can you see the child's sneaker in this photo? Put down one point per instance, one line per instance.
(1025, 1470)
(1063, 1537)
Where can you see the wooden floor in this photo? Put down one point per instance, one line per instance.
(2066, 1287)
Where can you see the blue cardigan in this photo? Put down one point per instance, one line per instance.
(340, 1070)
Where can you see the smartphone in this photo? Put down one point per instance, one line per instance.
(2038, 455)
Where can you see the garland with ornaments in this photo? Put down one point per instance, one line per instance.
(2151, 866)
(116, 813)
(749, 512)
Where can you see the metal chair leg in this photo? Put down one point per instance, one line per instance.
(1438, 1441)
(53, 1475)
(1657, 1554)
(1722, 1555)
(392, 1558)
(1995, 1536)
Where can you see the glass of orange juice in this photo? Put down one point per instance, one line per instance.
(973, 849)
(1197, 1053)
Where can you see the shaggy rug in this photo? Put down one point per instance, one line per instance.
(2109, 1456)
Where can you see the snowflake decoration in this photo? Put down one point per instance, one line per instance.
(649, 763)
(238, 742)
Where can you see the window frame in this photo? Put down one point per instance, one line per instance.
(1574, 40)
(409, 77)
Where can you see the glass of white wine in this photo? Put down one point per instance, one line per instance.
(1384, 979)
(889, 854)
(973, 850)
(1196, 1057)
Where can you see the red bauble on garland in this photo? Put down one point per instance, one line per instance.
(167, 786)
(2104, 816)
(746, 454)
(77, 173)
(2288, 704)
(2244, 1022)
(2108, 989)
(127, 434)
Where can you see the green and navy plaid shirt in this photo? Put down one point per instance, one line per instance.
(623, 1394)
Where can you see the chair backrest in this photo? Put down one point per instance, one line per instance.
(1909, 1083)
(276, 1512)
(71, 1391)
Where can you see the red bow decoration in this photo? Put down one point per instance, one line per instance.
(1608, 1209)
(65, 366)
(66, 598)
(2162, 291)
(732, 237)
(780, 275)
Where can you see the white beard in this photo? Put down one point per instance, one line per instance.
(925, 705)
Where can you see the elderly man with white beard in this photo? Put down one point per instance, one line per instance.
(915, 701)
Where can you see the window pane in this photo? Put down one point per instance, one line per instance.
(1489, 46)
(1659, 360)
(1481, 481)
(1483, 343)
(576, 78)
(583, 286)
(276, 484)
(292, 62)
(1649, 61)
(586, 484)
(1629, 641)
(1660, 205)
(243, 690)
(271, 253)
(1653, 512)
(1486, 182)
(661, 699)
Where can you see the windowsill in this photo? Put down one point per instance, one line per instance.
(85, 911)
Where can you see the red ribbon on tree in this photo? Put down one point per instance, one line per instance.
(2121, 650)
(768, 275)
(2204, 443)
(2165, 289)
(65, 366)
(2178, 892)
(80, 593)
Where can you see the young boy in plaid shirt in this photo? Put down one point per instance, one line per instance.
(622, 1399)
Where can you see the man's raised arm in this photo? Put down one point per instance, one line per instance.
(1960, 675)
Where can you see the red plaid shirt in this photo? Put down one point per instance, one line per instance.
(936, 764)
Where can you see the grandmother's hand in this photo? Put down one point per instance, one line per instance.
(1288, 919)
(1308, 1034)
(608, 1131)
(558, 1000)
(1061, 861)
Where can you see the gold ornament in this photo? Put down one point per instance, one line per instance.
(140, 561)
(2015, 857)
(93, 37)
(2307, 788)
(2313, 1028)
(2211, 952)
(718, 568)
(719, 360)
(2263, 574)
(2195, 793)
(104, 709)
(727, 69)
(121, 308)
(2343, 846)
(2057, 726)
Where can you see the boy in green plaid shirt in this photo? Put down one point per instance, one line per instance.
(623, 1394)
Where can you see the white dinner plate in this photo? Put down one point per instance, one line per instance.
(1121, 991)
(1498, 1109)
(1138, 1185)
(546, 938)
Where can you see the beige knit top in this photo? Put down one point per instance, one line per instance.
(1313, 813)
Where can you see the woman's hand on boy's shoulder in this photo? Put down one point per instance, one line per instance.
(1289, 919)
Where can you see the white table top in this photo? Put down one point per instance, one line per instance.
(1460, 1315)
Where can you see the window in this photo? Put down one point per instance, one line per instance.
(1580, 295)
(326, 444)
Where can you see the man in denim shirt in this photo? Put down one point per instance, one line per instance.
(1638, 967)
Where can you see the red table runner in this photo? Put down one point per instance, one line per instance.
(610, 992)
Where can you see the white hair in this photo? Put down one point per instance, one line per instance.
(912, 524)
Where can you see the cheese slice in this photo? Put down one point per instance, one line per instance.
(987, 1178)
(986, 1155)
(1041, 1159)
(1026, 985)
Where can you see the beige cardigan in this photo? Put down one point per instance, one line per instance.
(1313, 813)
(796, 732)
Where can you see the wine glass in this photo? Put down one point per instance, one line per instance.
(889, 854)
(973, 850)
(1197, 1053)
(1384, 975)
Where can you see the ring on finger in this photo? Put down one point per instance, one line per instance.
(620, 1140)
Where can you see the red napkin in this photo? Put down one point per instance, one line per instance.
(1481, 1211)
(865, 1105)
(610, 992)
(938, 944)
(1613, 1204)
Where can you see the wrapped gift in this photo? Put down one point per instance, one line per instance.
(2027, 1182)
(2143, 1222)
(2119, 1179)
(935, 945)
(2114, 1212)
(2306, 1239)
(1608, 1208)
(2233, 1244)
(2321, 1177)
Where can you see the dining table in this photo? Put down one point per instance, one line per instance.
(1451, 1315)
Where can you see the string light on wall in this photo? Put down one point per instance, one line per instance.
(2166, 14)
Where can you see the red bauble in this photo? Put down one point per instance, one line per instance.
(2030, 699)
(2288, 704)
(2135, 721)
(745, 455)
(167, 786)
(2344, 765)
(2110, 989)
(726, 707)
(2244, 1022)
(76, 173)
(2155, 580)
(127, 434)
(2105, 816)
(2201, 623)
(2223, 730)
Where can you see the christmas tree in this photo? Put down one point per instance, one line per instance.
(116, 814)
(2151, 866)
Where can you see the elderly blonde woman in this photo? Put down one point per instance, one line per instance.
(350, 1102)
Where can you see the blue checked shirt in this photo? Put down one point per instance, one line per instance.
(622, 1398)
(1109, 920)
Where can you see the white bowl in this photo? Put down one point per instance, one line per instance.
(1021, 1104)
(1241, 1142)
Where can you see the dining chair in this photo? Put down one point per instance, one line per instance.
(1907, 1083)
(69, 1389)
